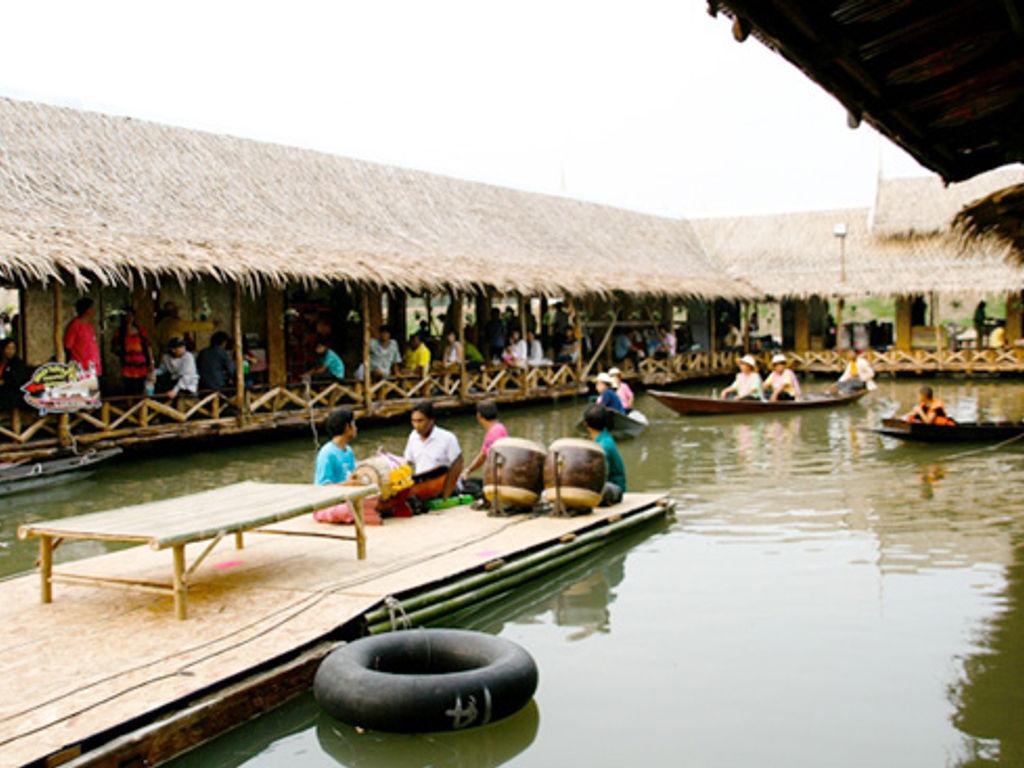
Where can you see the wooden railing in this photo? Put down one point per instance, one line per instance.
(126, 420)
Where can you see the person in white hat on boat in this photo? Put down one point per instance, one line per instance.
(622, 389)
(781, 383)
(747, 384)
(606, 395)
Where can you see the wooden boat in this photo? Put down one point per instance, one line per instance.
(27, 476)
(964, 432)
(630, 424)
(692, 405)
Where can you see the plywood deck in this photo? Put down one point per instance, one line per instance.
(95, 658)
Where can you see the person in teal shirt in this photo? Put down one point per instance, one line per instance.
(329, 365)
(595, 418)
(335, 461)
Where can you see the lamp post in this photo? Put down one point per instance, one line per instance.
(839, 231)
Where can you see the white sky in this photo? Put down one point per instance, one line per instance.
(648, 104)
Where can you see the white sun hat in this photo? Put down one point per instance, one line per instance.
(605, 378)
(749, 360)
(780, 358)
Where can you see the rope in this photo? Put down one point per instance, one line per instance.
(397, 611)
(987, 448)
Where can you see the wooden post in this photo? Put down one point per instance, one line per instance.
(801, 326)
(577, 315)
(839, 322)
(745, 317)
(903, 327)
(46, 569)
(460, 330)
(277, 370)
(236, 331)
(180, 587)
(239, 540)
(713, 328)
(933, 303)
(367, 337)
(63, 420)
(1014, 317)
(430, 315)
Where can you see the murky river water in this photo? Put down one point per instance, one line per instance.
(825, 597)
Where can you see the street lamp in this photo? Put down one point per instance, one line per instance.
(839, 231)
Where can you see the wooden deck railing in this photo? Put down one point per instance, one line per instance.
(127, 420)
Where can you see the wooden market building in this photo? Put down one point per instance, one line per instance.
(266, 241)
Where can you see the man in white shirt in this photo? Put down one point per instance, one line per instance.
(177, 370)
(431, 448)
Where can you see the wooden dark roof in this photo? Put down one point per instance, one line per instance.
(943, 79)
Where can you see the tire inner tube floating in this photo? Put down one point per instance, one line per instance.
(425, 680)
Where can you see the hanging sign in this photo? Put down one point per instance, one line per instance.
(62, 388)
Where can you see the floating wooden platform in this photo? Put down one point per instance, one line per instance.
(97, 663)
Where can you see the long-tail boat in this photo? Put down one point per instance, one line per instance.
(962, 432)
(693, 405)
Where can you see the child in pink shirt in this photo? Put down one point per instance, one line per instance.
(487, 417)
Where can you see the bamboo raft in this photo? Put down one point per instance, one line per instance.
(111, 677)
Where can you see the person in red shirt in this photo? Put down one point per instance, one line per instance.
(80, 337)
(494, 430)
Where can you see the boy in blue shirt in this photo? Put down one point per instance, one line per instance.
(595, 418)
(335, 461)
(329, 365)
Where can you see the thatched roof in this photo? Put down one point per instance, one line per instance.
(923, 206)
(996, 218)
(106, 198)
(797, 255)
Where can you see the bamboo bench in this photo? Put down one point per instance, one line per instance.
(174, 523)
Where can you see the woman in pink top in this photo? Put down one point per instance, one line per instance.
(487, 417)
(622, 389)
(80, 337)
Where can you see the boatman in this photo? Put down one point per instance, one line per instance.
(857, 375)
(606, 395)
(595, 419)
(431, 448)
(929, 410)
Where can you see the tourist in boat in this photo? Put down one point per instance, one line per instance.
(432, 451)
(335, 461)
(747, 385)
(13, 374)
(606, 395)
(216, 368)
(858, 374)
(622, 389)
(929, 410)
(595, 419)
(494, 430)
(132, 345)
(329, 365)
(80, 337)
(417, 356)
(177, 371)
(782, 383)
(385, 357)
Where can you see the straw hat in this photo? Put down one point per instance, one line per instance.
(749, 360)
(605, 378)
(780, 358)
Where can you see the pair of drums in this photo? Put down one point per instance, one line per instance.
(519, 473)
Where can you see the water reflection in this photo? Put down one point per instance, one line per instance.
(989, 698)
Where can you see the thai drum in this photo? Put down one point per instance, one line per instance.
(381, 470)
(514, 472)
(574, 474)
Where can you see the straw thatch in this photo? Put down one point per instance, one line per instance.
(996, 218)
(108, 198)
(798, 255)
(922, 206)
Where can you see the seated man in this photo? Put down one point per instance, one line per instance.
(216, 368)
(417, 356)
(857, 375)
(494, 430)
(595, 419)
(335, 461)
(606, 395)
(329, 365)
(782, 383)
(385, 357)
(432, 452)
(177, 371)
(929, 410)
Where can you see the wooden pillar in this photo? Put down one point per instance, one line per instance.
(577, 315)
(46, 569)
(277, 368)
(430, 314)
(376, 308)
(145, 310)
(367, 336)
(522, 315)
(713, 327)
(180, 587)
(236, 331)
(745, 309)
(801, 326)
(903, 332)
(1014, 317)
(933, 305)
(58, 322)
(459, 320)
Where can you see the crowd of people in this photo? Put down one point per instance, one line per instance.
(432, 451)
